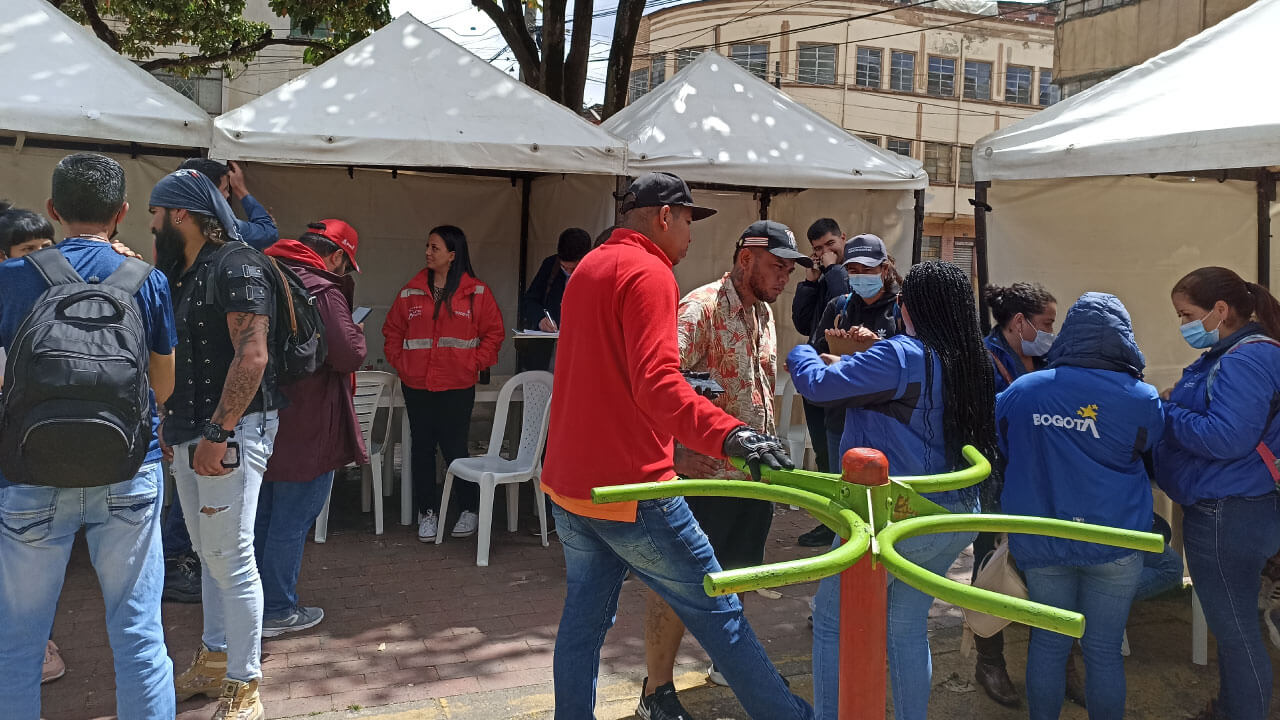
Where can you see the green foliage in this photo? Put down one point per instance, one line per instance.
(215, 32)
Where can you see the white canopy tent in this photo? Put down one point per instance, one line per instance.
(752, 152)
(406, 130)
(1140, 179)
(63, 90)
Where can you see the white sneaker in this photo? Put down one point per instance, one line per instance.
(467, 524)
(715, 678)
(428, 524)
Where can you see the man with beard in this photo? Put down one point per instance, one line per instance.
(260, 229)
(219, 425)
(725, 328)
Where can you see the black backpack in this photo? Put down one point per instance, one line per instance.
(297, 341)
(76, 409)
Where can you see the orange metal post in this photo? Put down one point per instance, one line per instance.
(863, 608)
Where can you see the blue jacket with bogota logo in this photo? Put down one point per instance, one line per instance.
(1073, 436)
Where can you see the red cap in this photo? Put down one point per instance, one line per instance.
(341, 233)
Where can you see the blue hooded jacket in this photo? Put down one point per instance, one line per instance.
(1073, 436)
(1208, 450)
(892, 401)
(1003, 356)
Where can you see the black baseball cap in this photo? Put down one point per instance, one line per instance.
(656, 189)
(865, 250)
(775, 237)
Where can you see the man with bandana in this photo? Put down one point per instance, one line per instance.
(219, 425)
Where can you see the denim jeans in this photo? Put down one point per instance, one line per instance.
(1227, 542)
(286, 511)
(38, 526)
(1161, 572)
(910, 665)
(834, 456)
(1103, 593)
(220, 514)
(667, 550)
(173, 531)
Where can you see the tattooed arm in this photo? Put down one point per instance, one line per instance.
(249, 338)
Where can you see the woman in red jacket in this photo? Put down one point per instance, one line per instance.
(442, 330)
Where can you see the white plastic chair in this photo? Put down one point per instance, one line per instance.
(374, 389)
(793, 435)
(491, 469)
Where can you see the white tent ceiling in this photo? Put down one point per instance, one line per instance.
(408, 97)
(58, 79)
(714, 122)
(1203, 105)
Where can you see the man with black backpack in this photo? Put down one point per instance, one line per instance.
(220, 424)
(90, 336)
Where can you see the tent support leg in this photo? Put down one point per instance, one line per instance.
(766, 198)
(1266, 196)
(524, 234)
(917, 234)
(980, 227)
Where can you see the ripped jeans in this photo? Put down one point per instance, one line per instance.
(220, 513)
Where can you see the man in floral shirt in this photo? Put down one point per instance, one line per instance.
(726, 328)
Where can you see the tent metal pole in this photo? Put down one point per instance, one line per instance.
(524, 234)
(980, 229)
(1266, 196)
(917, 234)
(766, 197)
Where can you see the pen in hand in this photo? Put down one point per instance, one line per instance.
(550, 323)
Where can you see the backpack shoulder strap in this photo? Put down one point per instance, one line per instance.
(288, 296)
(54, 267)
(216, 263)
(1004, 371)
(130, 276)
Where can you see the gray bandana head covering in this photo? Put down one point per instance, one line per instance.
(194, 192)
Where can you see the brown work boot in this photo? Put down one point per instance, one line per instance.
(239, 701)
(204, 677)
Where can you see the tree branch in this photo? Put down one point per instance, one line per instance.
(231, 53)
(100, 28)
(625, 29)
(509, 18)
(575, 65)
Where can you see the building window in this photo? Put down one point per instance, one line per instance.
(902, 71)
(873, 139)
(752, 57)
(977, 80)
(817, 64)
(868, 74)
(204, 90)
(942, 76)
(900, 146)
(930, 248)
(657, 70)
(1017, 85)
(319, 30)
(966, 164)
(639, 84)
(1049, 93)
(937, 163)
(684, 56)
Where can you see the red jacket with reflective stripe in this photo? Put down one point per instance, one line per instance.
(448, 351)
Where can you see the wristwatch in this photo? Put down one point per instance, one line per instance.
(214, 433)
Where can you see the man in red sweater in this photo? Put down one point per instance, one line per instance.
(618, 404)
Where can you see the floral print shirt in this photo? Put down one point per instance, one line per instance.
(738, 346)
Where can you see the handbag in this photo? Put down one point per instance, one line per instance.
(997, 573)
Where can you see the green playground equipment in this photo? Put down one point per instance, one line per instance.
(871, 512)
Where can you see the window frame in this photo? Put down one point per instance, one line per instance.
(658, 62)
(858, 65)
(635, 75)
(963, 162)
(1008, 79)
(835, 63)
(929, 76)
(877, 140)
(910, 145)
(688, 55)
(990, 76)
(936, 177)
(764, 74)
(1054, 90)
(911, 74)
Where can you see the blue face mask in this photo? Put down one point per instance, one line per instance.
(866, 286)
(1197, 337)
(1040, 346)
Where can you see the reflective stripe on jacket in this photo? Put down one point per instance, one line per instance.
(445, 351)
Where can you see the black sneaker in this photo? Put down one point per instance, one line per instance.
(661, 705)
(821, 536)
(182, 579)
(302, 618)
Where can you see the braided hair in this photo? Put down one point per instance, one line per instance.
(939, 301)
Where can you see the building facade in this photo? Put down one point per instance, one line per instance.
(884, 72)
(1096, 39)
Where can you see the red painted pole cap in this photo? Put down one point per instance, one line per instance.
(865, 466)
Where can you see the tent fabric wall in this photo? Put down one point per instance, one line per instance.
(1130, 236)
(25, 178)
(559, 202)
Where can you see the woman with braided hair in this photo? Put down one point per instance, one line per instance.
(918, 398)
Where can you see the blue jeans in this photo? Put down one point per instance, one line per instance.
(220, 514)
(1227, 542)
(667, 550)
(834, 456)
(1161, 572)
(1103, 593)
(286, 511)
(122, 526)
(910, 665)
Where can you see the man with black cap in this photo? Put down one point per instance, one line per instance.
(219, 425)
(619, 400)
(725, 328)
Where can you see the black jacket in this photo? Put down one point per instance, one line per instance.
(812, 297)
(544, 293)
(881, 317)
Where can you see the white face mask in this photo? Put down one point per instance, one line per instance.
(1040, 346)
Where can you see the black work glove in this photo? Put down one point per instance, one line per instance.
(704, 385)
(757, 448)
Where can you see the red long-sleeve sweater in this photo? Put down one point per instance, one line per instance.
(619, 398)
